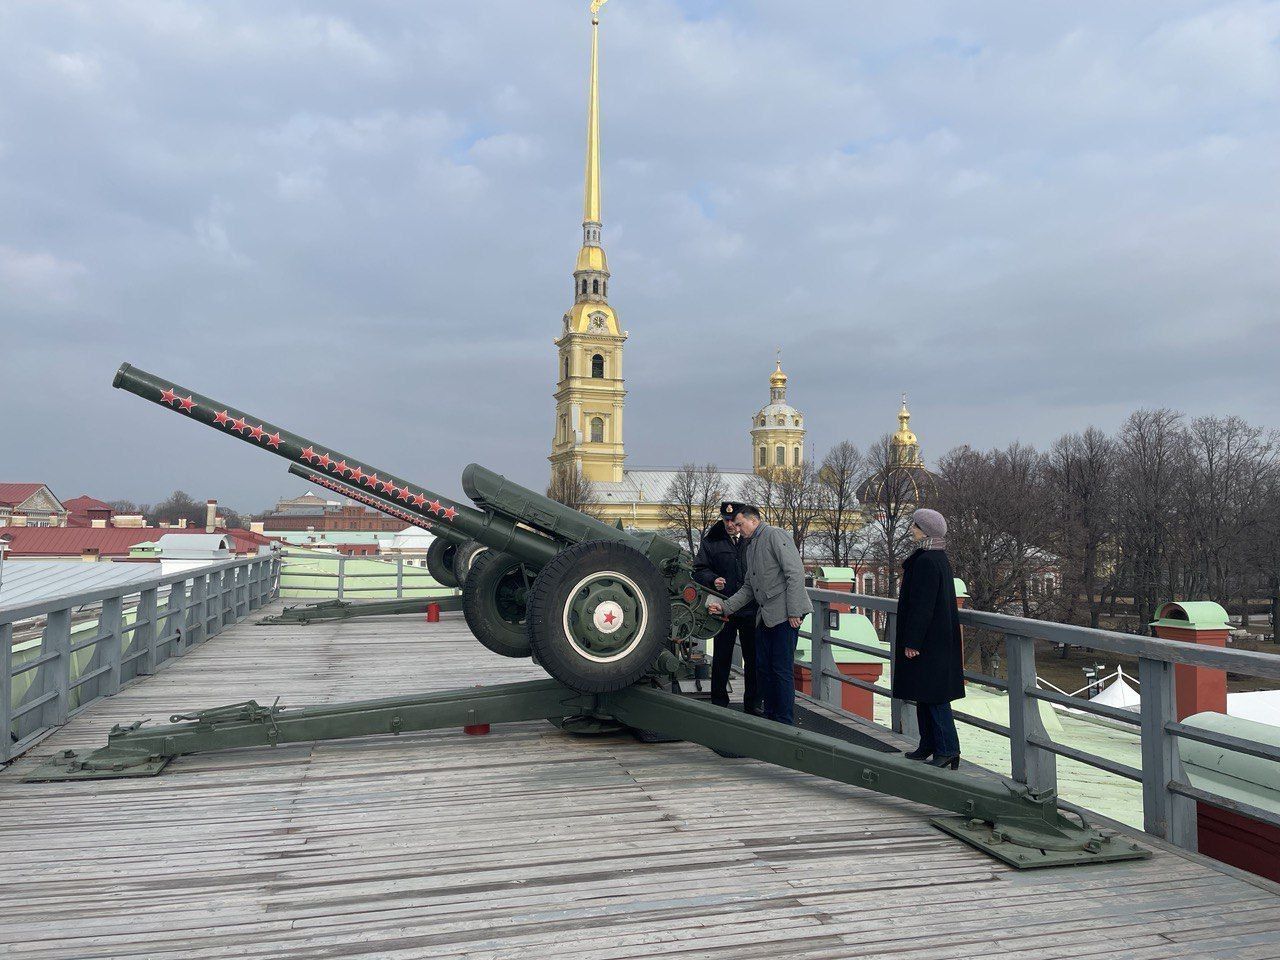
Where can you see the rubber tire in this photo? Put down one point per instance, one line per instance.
(550, 594)
(464, 557)
(440, 562)
(479, 606)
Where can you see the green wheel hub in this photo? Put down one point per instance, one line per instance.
(605, 616)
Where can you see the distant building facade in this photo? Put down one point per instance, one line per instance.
(30, 505)
(309, 513)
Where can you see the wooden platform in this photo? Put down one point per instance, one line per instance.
(528, 843)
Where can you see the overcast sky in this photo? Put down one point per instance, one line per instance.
(359, 220)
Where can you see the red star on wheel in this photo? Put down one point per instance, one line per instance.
(433, 506)
(450, 513)
(257, 433)
(419, 499)
(308, 454)
(221, 418)
(371, 480)
(357, 475)
(274, 441)
(324, 461)
(168, 396)
(187, 403)
(609, 617)
(239, 425)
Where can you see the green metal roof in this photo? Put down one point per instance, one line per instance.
(836, 574)
(855, 628)
(1198, 614)
(1237, 776)
(961, 589)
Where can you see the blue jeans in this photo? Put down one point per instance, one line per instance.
(938, 729)
(775, 656)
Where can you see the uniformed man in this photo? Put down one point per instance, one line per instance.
(722, 565)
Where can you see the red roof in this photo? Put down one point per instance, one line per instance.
(74, 541)
(12, 494)
(83, 504)
(246, 541)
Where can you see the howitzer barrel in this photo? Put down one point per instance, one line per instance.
(494, 531)
(382, 504)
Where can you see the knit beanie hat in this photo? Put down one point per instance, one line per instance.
(931, 523)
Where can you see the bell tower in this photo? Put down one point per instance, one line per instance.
(590, 388)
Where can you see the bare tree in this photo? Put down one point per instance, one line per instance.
(799, 502)
(692, 502)
(1080, 471)
(570, 487)
(889, 495)
(840, 521)
(179, 505)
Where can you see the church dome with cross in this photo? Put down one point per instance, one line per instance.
(777, 429)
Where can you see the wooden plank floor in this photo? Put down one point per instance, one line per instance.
(528, 843)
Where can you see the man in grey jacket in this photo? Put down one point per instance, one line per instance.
(775, 581)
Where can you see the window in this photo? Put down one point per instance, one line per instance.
(869, 585)
(595, 286)
(597, 367)
(564, 428)
(597, 430)
(764, 457)
(566, 369)
(762, 421)
(584, 286)
(780, 456)
(796, 457)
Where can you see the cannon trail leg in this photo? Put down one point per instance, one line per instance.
(346, 610)
(1000, 818)
(138, 751)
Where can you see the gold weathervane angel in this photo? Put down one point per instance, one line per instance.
(596, 5)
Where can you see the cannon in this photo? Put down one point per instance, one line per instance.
(612, 616)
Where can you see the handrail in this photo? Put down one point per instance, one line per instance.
(44, 684)
(1168, 798)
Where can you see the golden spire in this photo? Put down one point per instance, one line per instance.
(591, 193)
(906, 446)
(592, 256)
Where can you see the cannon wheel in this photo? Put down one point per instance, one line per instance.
(464, 557)
(494, 603)
(440, 562)
(599, 615)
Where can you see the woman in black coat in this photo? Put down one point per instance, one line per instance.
(928, 666)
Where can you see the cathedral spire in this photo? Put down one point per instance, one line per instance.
(592, 257)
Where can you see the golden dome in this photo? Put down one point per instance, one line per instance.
(904, 437)
(778, 379)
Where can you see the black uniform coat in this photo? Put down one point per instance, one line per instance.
(929, 622)
(720, 556)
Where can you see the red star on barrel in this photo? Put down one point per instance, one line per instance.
(168, 396)
(324, 461)
(357, 475)
(221, 418)
(371, 480)
(187, 403)
(308, 453)
(450, 513)
(239, 425)
(404, 493)
(388, 486)
(257, 433)
(433, 506)
(274, 441)
(341, 467)
(419, 499)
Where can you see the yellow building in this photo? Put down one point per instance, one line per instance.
(590, 391)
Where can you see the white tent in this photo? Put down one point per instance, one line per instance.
(1119, 694)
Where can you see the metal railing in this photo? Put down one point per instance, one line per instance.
(57, 656)
(354, 578)
(1168, 797)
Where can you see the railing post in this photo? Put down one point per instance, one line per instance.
(820, 657)
(901, 716)
(6, 690)
(254, 574)
(145, 631)
(399, 578)
(57, 640)
(110, 621)
(342, 565)
(1164, 813)
(1035, 766)
(197, 618)
(176, 621)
